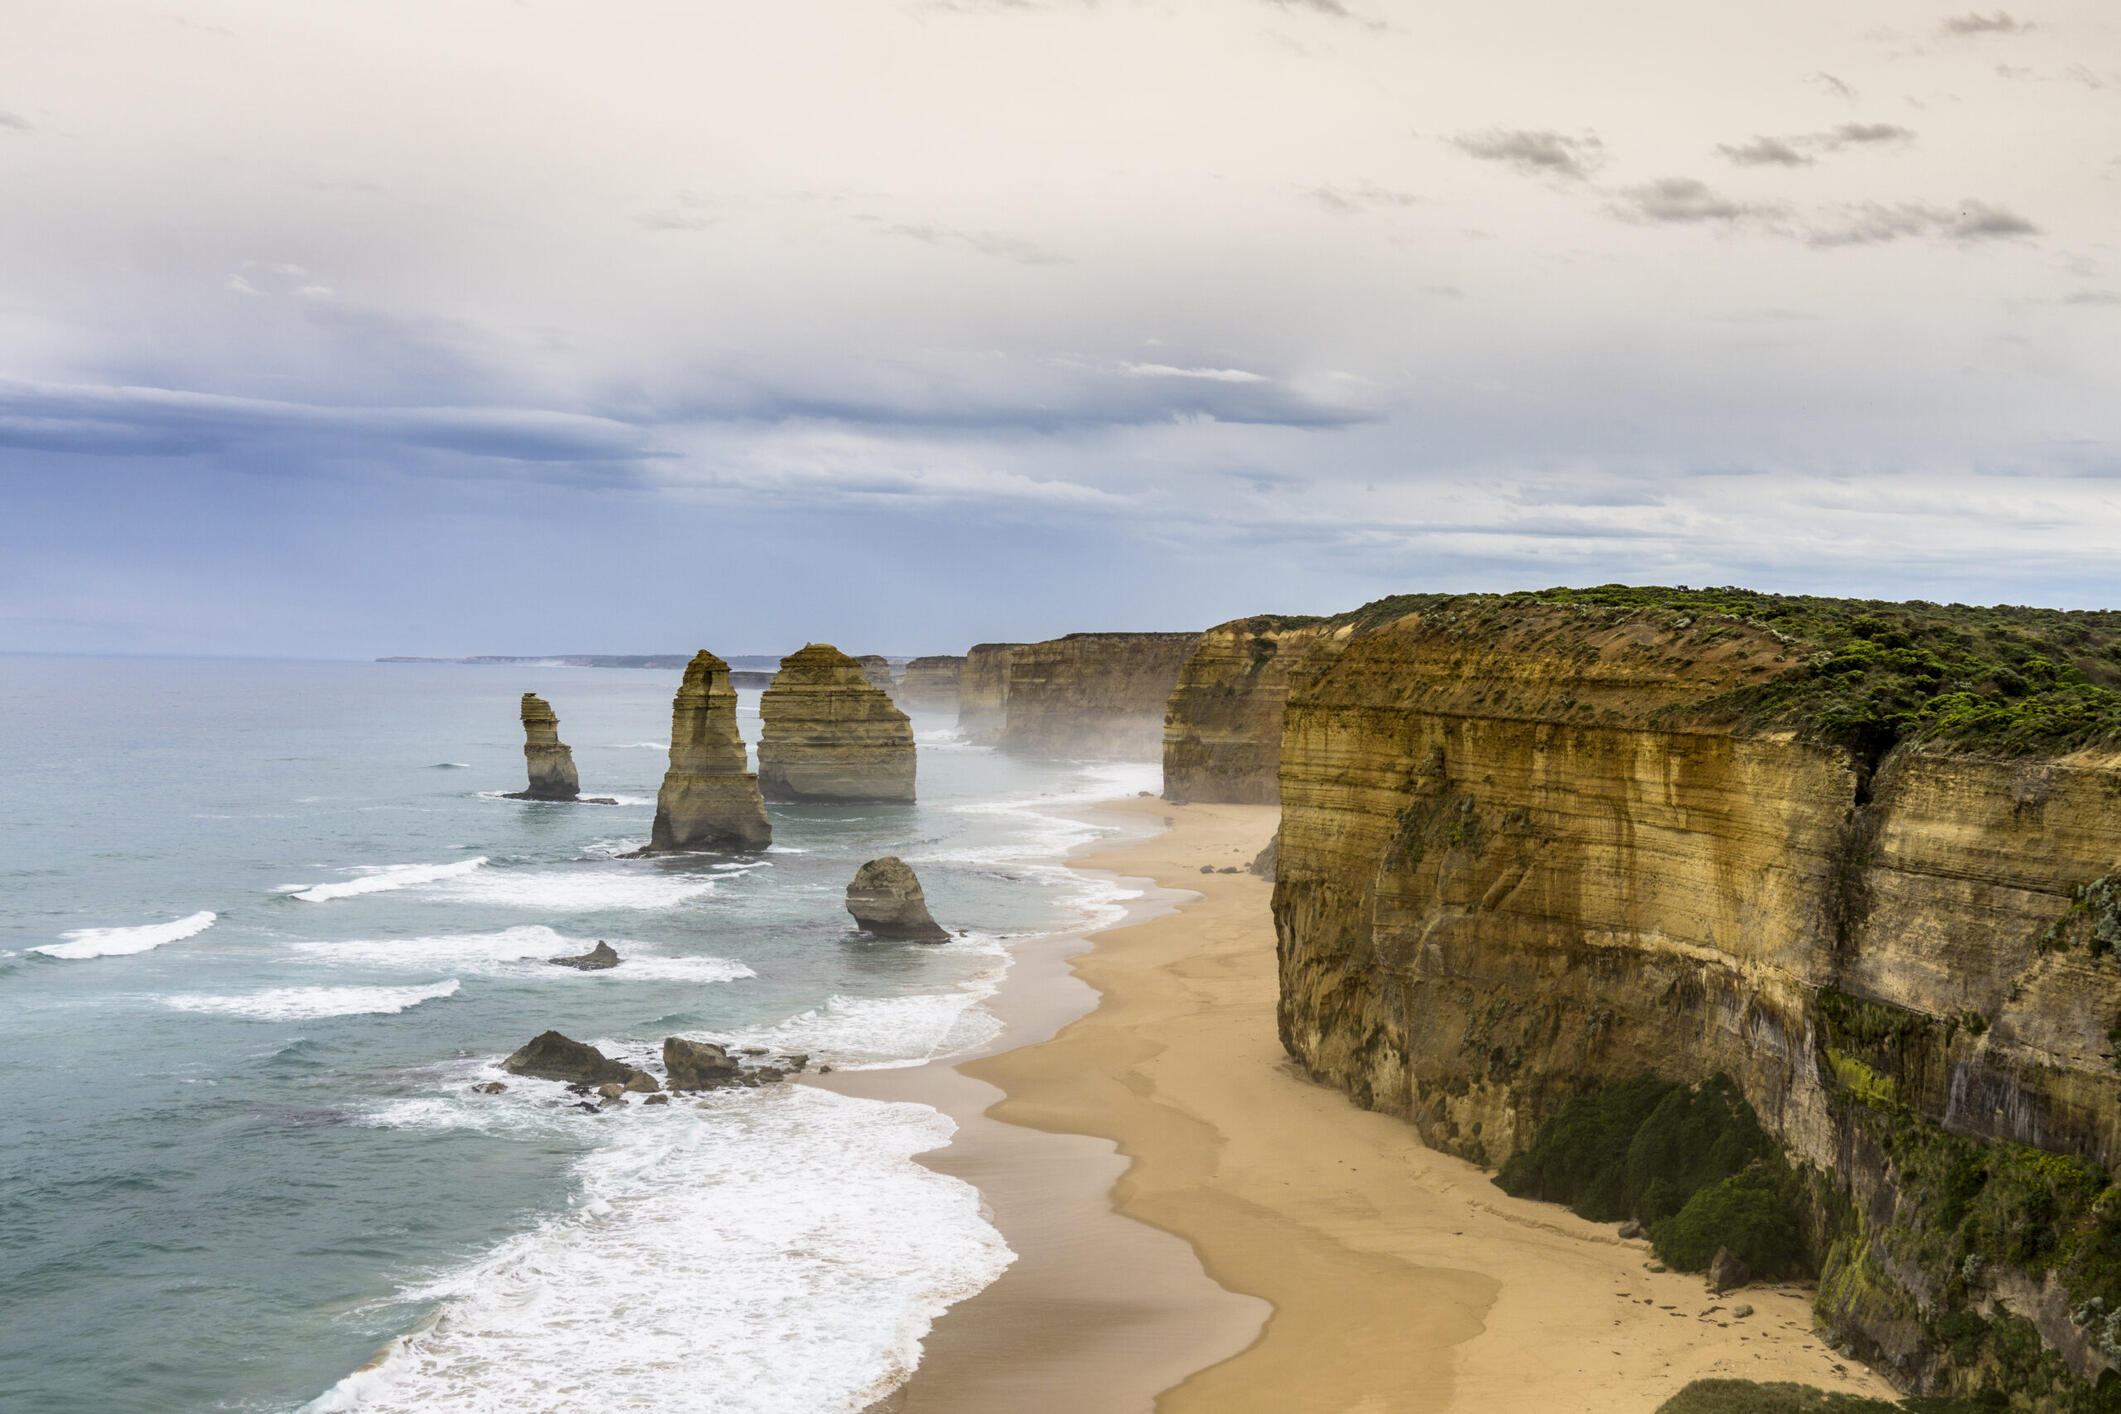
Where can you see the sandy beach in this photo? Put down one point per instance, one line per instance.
(1328, 1260)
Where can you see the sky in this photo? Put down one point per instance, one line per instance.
(525, 326)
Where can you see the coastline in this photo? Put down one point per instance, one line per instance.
(1394, 1277)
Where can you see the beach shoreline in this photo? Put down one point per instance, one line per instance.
(1395, 1277)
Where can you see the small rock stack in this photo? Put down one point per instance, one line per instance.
(552, 773)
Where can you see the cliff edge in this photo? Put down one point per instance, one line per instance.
(1100, 695)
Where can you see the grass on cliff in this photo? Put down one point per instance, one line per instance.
(1690, 1162)
(2006, 680)
(1747, 1397)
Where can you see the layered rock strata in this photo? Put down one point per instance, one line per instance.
(708, 801)
(885, 898)
(828, 733)
(931, 684)
(1521, 857)
(983, 691)
(552, 773)
(1097, 695)
(1222, 727)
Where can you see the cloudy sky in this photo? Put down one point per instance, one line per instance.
(460, 326)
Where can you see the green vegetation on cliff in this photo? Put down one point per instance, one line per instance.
(1872, 673)
(1689, 1162)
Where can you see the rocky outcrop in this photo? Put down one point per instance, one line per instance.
(828, 733)
(552, 773)
(1222, 729)
(1099, 695)
(931, 684)
(598, 959)
(886, 899)
(552, 1056)
(876, 669)
(1524, 852)
(983, 691)
(698, 1065)
(709, 801)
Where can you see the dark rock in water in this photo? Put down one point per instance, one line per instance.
(1726, 1272)
(586, 1107)
(641, 1082)
(612, 1102)
(1630, 1230)
(885, 899)
(824, 1070)
(611, 1092)
(1269, 858)
(552, 774)
(491, 1087)
(753, 1051)
(1207, 869)
(595, 960)
(658, 1098)
(698, 1065)
(554, 1057)
(796, 1064)
(1228, 869)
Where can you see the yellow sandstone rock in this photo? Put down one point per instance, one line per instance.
(709, 800)
(828, 733)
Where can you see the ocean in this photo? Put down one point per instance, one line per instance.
(263, 925)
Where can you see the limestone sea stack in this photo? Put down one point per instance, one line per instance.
(552, 773)
(709, 801)
(877, 669)
(930, 684)
(983, 691)
(885, 899)
(1099, 695)
(828, 733)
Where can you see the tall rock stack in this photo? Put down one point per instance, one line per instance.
(828, 733)
(877, 669)
(1100, 695)
(709, 801)
(552, 773)
(931, 684)
(983, 691)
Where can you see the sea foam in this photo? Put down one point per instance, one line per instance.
(380, 879)
(113, 942)
(310, 1003)
(754, 1252)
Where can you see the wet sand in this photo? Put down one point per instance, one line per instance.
(1162, 1171)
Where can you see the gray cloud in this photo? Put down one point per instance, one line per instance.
(1974, 22)
(1796, 151)
(1362, 196)
(1872, 223)
(1332, 8)
(1837, 87)
(2097, 297)
(105, 420)
(1684, 201)
(1002, 247)
(1764, 152)
(1536, 152)
(15, 123)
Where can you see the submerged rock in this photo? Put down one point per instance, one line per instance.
(698, 1065)
(827, 732)
(886, 899)
(489, 1087)
(552, 1056)
(552, 773)
(709, 801)
(595, 960)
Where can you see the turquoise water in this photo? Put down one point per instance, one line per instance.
(239, 1156)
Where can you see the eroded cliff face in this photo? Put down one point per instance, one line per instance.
(983, 691)
(1099, 695)
(876, 669)
(709, 800)
(1222, 725)
(931, 684)
(1518, 861)
(551, 764)
(828, 733)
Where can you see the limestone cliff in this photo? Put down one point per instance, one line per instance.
(1222, 727)
(709, 801)
(1097, 695)
(983, 691)
(552, 773)
(828, 733)
(1528, 849)
(931, 684)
